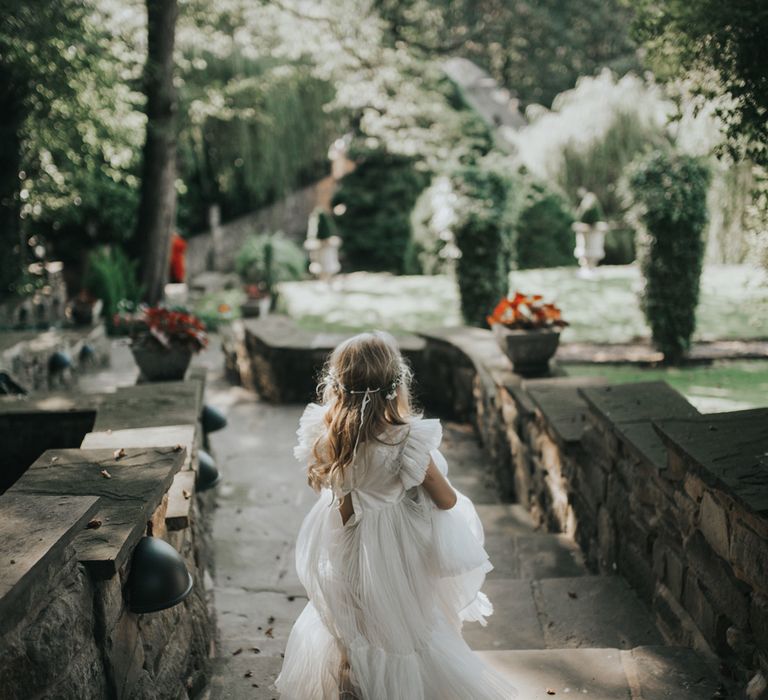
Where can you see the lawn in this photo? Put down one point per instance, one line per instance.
(722, 386)
(734, 302)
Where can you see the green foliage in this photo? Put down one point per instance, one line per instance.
(544, 235)
(326, 226)
(485, 235)
(669, 194)
(378, 197)
(270, 258)
(112, 277)
(722, 46)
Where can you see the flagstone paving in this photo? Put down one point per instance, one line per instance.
(557, 630)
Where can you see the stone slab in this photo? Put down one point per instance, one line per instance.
(180, 500)
(597, 674)
(594, 611)
(729, 450)
(129, 496)
(508, 519)
(159, 436)
(34, 530)
(263, 620)
(149, 405)
(244, 676)
(638, 401)
(549, 556)
(559, 401)
(514, 623)
(502, 551)
(678, 673)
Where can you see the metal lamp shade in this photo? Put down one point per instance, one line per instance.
(87, 353)
(207, 473)
(59, 361)
(159, 578)
(213, 419)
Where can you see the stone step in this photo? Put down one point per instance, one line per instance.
(244, 676)
(583, 611)
(534, 556)
(650, 673)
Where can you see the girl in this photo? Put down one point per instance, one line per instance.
(396, 566)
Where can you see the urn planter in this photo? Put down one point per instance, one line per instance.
(529, 350)
(161, 365)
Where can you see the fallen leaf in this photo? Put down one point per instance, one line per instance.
(256, 650)
(571, 594)
(117, 454)
(186, 494)
(268, 632)
(271, 619)
(13, 561)
(93, 524)
(237, 651)
(105, 474)
(551, 692)
(178, 448)
(248, 674)
(55, 458)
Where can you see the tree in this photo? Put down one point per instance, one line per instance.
(157, 205)
(40, 49)
(696, 38)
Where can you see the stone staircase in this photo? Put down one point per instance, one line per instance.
(557, 630)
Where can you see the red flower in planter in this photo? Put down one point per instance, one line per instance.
(526, 312)
(169, 329)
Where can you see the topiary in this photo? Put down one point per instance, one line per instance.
(669, 194)
(485, 235)
(377, 198)
(544, 234)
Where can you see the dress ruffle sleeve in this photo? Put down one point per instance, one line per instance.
(311, 427)
(424, 436)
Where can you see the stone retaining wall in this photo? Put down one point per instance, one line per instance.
(672, 500)
(66, 629)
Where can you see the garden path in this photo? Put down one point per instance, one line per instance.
(557, 630)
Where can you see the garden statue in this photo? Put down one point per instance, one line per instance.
(323, 245)
(590, 229)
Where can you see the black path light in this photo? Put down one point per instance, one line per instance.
(208, 474)
(59, 361)
(87, 353)
(159, 578)
(213, 419)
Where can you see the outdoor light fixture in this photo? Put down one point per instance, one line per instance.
(213, 419)
(159, 578)
(207, 473)
(59, 361)
(87, 353)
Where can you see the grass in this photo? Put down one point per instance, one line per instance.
(721, 386)
(734, 302)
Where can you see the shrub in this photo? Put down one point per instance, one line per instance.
(669, 193)
(112, 277)
(269, 258)
(378, 197)
(544, 234)
(484, 234)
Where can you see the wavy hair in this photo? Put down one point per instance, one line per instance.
(366, 388)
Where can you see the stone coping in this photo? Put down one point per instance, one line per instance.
(726, 450)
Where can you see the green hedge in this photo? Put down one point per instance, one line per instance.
(670, 201)
(378, 197)
(485, 235)
(270, 258)
(544, 234)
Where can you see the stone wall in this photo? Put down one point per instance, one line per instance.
(66, 627)
(217, 251)
(672, 500)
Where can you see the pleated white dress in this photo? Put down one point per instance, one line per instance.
(389, 590)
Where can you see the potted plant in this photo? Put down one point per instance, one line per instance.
(528, 331)
(163, 342)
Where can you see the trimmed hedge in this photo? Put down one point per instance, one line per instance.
(670, 203)
(544, 234)
(378, 196)
(485, 236)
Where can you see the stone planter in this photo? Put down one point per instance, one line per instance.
(590, 245)
(529, 350)
(159, 365)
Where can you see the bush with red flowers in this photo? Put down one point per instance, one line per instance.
(526, 312)
(167, 329)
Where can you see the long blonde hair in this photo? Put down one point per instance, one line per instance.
(366, 387)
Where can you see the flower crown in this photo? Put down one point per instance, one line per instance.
(391, 393)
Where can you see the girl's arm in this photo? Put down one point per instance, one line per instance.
(437, 486)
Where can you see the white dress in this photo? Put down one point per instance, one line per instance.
(389, 590)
